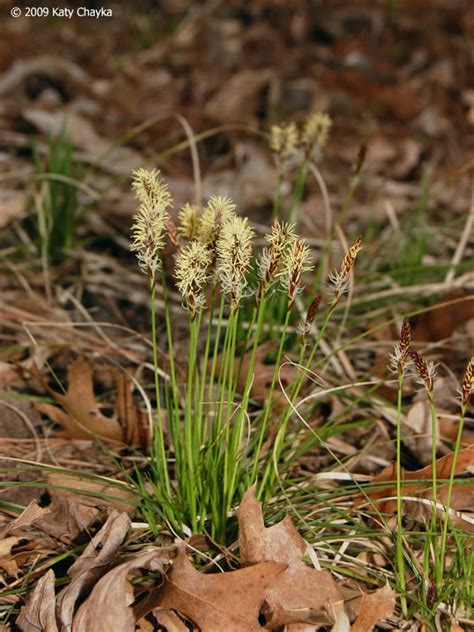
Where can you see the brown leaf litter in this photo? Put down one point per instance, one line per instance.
(418, 483)
(81, 417)
(275, 587)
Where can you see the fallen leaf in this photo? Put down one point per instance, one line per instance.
(112, 596)
(81, 416)
(300, 594)
(66, 520)
(374, 607)
(31, 513)
(39, 611)
(223, 601)
(384, 496)
(92, 564)
(6, 560)
(13, 205)
(168, 619)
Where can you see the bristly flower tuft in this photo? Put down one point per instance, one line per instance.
(425, 371)
(192, 274)
(189, 218)
(340, 278)
(148, 229)
(467, 383)
(284, 140)
(296, 260)
(234, 254)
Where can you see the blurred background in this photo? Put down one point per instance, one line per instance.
(394, 76)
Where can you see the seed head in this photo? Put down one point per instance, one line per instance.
(192, 274)
(467, 383)
(316, 130)
(148, 229)
(340, 278)
(189, 218)
(234, 253)
(296, 260)
(284, 140)
(426, 371)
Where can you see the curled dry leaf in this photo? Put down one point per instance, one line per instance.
(6, 558)
(92, 565)
(300, 594)
(222, 601)
(39, 611)
(415, 483)
(111, 598)
(65, 519)
(374, 607)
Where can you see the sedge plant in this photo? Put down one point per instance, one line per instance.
(209, 434)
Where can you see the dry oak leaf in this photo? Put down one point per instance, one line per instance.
(6, 558)
(111, 598)
(386, 496)
(374, 607)
(39, 611)
(82, 417)
(300, 594)
(223, 601)
(92, 564)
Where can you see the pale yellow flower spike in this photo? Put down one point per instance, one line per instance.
(284, 140)
(192, 274)
(296, 260)
(149, 226)
(218, 210)
(189, 221)
(234, 254)
(316, 130)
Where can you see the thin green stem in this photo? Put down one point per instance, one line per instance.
(457, 448)
(163, 466)
(399, 538)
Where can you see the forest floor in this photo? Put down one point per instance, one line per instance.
(141, 455)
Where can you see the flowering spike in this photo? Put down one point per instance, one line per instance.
(150, 220)
(316, 130)
(426, 371)
(401, 350)
(234, 253)
(189, 218)
(296, 260)
(468, 382)
(339, 278)
(192, 274)
(284, 140)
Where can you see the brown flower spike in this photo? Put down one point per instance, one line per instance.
(467, 383)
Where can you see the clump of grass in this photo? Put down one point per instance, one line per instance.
(209, 436)
(58, 208)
